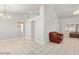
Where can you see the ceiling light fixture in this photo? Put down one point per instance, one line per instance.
(4, 15)
(76, 12)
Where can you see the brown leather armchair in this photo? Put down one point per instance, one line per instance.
(55, 37)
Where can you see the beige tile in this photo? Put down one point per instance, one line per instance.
(69, 46)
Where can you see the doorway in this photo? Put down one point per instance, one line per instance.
(20, 29)
(33, 30)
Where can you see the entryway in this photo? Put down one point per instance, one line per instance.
(20, 29)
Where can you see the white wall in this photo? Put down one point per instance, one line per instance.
(39, 26)
(51, 22)
(73, 20)
(8, 27)
(44, 23)
(28, 28)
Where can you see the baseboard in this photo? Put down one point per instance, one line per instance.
(46, 41)
(27, 37)
(41, 42)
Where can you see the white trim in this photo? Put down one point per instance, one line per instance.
(41, 42)
(28, 38)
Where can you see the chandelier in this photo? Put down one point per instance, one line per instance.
(4, 15)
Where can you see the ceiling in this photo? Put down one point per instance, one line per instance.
(23, 9)
(64, 10)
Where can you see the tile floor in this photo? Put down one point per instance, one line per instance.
(69, 46)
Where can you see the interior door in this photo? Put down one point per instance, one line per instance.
(33, 29)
